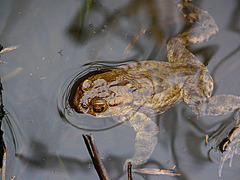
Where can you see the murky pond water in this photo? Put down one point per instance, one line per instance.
(56, 38)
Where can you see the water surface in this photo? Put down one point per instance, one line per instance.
(57, 37)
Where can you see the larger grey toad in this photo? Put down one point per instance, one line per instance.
(132, 92)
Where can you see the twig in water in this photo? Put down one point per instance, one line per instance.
(97, 161)
(129, 171)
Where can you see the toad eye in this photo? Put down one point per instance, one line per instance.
(99, 105)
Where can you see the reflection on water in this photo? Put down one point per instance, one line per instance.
(57, 37)
(14, 135)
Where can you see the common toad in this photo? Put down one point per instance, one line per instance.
(133, 92)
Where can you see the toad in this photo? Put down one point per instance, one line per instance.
(138, 90)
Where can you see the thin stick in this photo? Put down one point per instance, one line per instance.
(97, 161)
(129, 171)
(2, 145)
(156, 171)
(2, 113)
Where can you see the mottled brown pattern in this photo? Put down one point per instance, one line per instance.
(133, 91)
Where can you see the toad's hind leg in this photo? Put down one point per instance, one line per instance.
(205, 28)
(145, 140)
(218, 105)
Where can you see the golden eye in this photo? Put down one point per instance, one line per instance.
(99, 105)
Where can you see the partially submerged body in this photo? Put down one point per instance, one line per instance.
(135, 91)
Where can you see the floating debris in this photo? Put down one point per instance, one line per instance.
(156, 171)
(12, 74)
(10, 48)
(206, 139)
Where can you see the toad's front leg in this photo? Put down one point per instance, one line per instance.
(146, 138)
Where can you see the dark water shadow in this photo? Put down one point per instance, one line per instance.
(13, 18)
(234, 24)
(41, 158)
